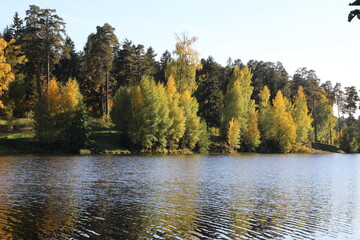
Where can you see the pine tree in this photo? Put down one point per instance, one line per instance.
(43, 42)
(99, 57)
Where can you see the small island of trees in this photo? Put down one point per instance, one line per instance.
(115, 96)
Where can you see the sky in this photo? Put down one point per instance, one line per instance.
(304, 33)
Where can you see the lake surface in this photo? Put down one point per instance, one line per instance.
(180, 197)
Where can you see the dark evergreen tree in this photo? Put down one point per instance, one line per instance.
(42, 42)
(69, 64)
(351, 103)
(272, 75)
(99, 57)
(209, 93)
(164, 60)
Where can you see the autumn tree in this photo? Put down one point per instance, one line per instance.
(6, 75)
(176, 113)
(302, 117)
(233, 135)
(184, 67)
(283, 124)
(325, 120)
(265, 115)
(238, 103)
(60, 119)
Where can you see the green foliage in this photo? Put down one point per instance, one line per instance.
(204, 142)
(265, 115)
(272, 75)
(325, 120)
(209, 94)
(192, 122)
(349, 141)
(238, 103)
(98, 61)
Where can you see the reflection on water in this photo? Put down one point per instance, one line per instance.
(180, 197)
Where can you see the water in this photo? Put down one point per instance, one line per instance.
(180, 197)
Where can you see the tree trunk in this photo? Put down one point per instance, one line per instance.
(315, 124)
(107, 95)
(102, 101)
(47, 71)
(38, 81)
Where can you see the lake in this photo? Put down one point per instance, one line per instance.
(180, 197)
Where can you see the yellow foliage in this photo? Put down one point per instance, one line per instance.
(233, 134)
(302, 117)
(6, 76)
(53, 97)
(284, 125)
(71, 96)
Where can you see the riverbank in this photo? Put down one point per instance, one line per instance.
(17, 137)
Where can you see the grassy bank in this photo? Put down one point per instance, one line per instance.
(17, 137)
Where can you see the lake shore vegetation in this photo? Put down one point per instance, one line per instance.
(116, 97)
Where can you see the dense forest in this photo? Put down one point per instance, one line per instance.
(171, 104)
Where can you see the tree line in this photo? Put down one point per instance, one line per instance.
(176, 103)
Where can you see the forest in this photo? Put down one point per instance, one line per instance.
(56, 99)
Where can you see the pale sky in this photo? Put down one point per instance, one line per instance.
(299, 33)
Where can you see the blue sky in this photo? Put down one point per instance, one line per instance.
(302, 33)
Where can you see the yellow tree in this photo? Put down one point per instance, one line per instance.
(239, 105)
(265, 115)
(192, 123)
(183, 69)
(176, 114)
(283, 124)
(302, 117)
(251, 136)
(233, 135)
(6, 76)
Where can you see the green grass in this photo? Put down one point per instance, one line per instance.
(107, 142)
